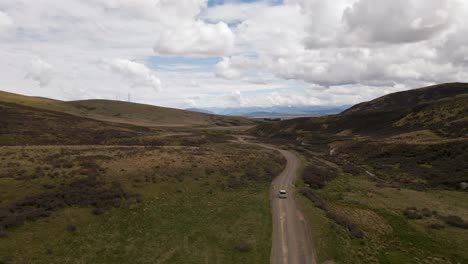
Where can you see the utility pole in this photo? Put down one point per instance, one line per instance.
(129, 97)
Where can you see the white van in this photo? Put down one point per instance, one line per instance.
(282, 194)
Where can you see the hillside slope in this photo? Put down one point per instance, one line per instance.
(443, 109)
(25, 125)
(417, 137)
(124, 112)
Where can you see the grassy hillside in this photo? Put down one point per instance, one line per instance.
(417, 137)
(24, 125)
(113, 182)
(383, 181)
(442, 109)
(411, 98)
(124, 112)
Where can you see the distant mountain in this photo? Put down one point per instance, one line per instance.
(277, 110)
(199, 110)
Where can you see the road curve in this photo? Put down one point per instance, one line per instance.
(291, 238)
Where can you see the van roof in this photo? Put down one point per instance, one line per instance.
(283, 191)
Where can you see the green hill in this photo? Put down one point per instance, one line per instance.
(417, 137)
(443, 109)
(125, 112)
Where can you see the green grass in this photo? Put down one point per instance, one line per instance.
(328, 242)
(188, 213)
(191, 227)
(390, 237)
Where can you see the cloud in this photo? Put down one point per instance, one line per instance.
(347, 42)
(195, 39)
(40, 71)
(272, 52)
(185, 34)
(6, 23)
(225, 70)
(233, 12)
(397, 21)
(299, 96)
(136, 73)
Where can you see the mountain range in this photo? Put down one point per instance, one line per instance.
(273, 111)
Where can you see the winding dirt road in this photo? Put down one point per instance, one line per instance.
(291, 239)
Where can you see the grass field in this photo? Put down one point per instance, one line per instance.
(389, 236)
(199, 204)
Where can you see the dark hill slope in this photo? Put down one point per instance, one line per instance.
(25, 125)
(442, 109)
(411, 98)
(416, 137)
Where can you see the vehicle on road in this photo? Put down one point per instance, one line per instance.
(282, 194)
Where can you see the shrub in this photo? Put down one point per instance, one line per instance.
(345, 222)
(71, 228)
(48, 186)
(98, 211)
(412, 213)
(243, 247)
(426, 212)
(436, 226)
(317, 177)
(350, 169)
(86, 192)
(311, 195)
(455, 221)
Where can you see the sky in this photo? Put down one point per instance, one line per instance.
(230, 53)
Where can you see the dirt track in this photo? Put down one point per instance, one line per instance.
(291, 239)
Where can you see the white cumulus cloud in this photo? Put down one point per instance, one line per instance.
(40, 71)
(183, 33)
(398, 21)
(137, 74)
(271, 51)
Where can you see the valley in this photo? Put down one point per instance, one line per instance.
(107, 182)
(384, 182)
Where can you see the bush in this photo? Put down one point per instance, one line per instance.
(317, 177)
(86, 192)
(436, 226)
(351, 169)
(98, 211)
(345, 222)
(426, 212)
(243, 247)
(311, 195)
(412, 213)
(455, 221)
(71, 228)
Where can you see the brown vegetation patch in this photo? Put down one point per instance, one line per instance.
(316, 177)
(455, 221)
(371, 223)
(86, 192)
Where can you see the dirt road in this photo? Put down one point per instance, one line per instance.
(291, 239)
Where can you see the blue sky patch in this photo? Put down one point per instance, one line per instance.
(221, 2)
(157, 62)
